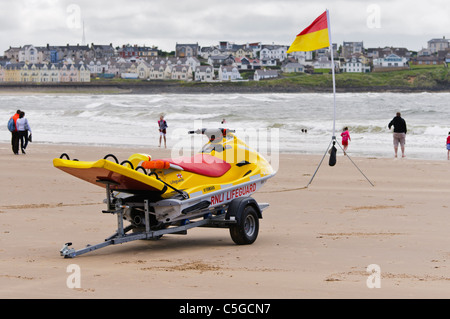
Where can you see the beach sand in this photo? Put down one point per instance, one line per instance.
(314, 242)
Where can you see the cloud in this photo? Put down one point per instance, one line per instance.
(164, 23)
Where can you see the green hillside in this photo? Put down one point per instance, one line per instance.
(417, 78)
(414, 78)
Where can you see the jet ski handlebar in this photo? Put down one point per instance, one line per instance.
(207, 131)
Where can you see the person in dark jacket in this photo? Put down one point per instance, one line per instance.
(399, 135)
(15, 134)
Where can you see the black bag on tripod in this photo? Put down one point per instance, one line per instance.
(332, 160)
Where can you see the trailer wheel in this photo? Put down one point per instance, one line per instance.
(247, 227)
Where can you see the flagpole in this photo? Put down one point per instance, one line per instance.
(332, 72)
(333, 139)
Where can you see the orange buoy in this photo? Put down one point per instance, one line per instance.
(156, 164)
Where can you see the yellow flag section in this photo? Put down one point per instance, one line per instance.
(313, 37)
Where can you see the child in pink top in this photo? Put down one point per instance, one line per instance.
(448, 146)
(345, 138)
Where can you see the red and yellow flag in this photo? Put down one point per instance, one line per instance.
(313, 37)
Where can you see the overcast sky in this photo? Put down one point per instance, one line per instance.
(163, 23)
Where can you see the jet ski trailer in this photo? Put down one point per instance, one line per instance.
(241, 215)
(160, 197)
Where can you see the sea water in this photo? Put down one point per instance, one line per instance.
(291, 123)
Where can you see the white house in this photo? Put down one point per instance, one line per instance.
(277, 52)
(354, 65)
(159, 72)
(268, 62)
(204, 73)
(322, 63)
(45, 74)
(391, 60)
(49, 73)
(29, 54)
(435, 45)
(29, 73)
(84, 73)
(193, 62)
(293, 68)
(98, 66)
(143, 69)
(181, 72)
(229, 73)
(54, 74)
(302, 56)
(265, 74)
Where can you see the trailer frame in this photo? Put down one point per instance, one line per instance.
(211, 217)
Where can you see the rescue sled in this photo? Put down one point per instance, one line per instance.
(213, 188)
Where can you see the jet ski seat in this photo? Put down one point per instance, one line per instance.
(202, 164)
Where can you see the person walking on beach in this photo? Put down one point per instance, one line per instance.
(162, 130)
(23, 127)
(448, 146)
(15, 134)
(345, 138)
(399, 133)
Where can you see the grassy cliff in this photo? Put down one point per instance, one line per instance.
(432, 78)
(417, 78)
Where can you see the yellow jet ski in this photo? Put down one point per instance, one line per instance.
(163, 196)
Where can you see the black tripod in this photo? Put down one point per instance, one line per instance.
(332, 160)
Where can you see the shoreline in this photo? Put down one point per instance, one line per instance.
(195, 88)
(6, 145)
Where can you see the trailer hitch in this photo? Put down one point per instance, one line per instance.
(66, 251)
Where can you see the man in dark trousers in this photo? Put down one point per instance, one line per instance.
(15, 135)
(399, 133)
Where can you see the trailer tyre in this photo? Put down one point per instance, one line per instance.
(246, 230)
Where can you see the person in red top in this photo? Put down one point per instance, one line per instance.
(345, 138)
(15, 135)
(448, 146)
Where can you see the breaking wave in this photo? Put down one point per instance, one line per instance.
(303, 122)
